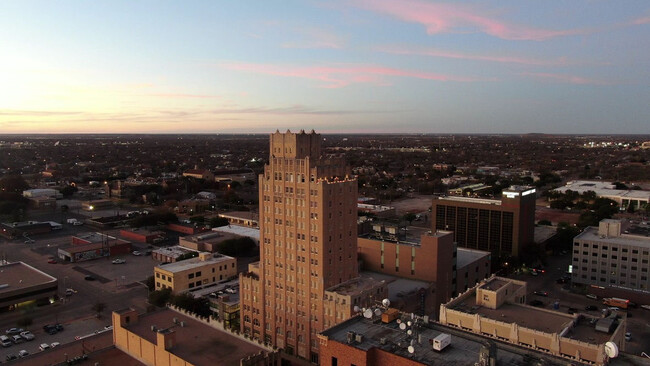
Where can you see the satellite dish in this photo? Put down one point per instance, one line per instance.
(399, 321)
(385, 302)
(356, 308)
(402, 326)
(409, 323)
(611, 350)
(367, 313)
(411, 349)
(377, 312)
(409, 332)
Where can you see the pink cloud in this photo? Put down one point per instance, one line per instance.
(466, 56)
(563, 78)
(340, 76)
(457, 18)
(639, 21)
(315, 38)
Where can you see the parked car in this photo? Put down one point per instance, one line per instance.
(5, 341)
(536, 303)
(137, 253)
(44, 346)
(54, 344)
(23, 353)
(50, 329)
(51, 261)
(17, 339)
(12, 331)
(119, 261)
(541, 293)
(27, 335)
(592, 296)
(59, 327)
(11, 357)
(89, 278)
(572, 310)
(69, 292)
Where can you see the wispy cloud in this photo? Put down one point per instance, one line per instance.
(564, 78)
(434, 52)
(459, 18)
(640, 21)
(311, 37)
(341, 76)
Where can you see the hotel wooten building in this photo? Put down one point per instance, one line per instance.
(308, 246)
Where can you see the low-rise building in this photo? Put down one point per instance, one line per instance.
(204, 242)
(171, 254)
(24, 229)
(188, 274)
(614, 259)
(92, 246)
(624, 197)
(21, 283)
(242, 218)
(142, 235)
(169, 338)
(199, 174)
(496, 309)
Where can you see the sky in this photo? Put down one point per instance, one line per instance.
(336, 66)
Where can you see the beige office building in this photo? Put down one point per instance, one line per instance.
(194, 273)
(308, 244)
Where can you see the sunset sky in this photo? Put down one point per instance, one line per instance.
(107, 66)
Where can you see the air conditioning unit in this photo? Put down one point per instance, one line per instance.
(175, 320)
(153, 328)
(382, 340)
(350, 337)
(359, 338)
(182, 324)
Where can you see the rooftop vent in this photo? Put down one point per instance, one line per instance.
(182, 324)
(350, 337)
(175, 320)
(358, 338)
(153, 328)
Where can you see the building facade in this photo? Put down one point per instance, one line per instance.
(499, 226)
(308, 237)
(195, 273)
(607, 257)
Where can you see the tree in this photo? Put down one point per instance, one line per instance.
(98, 307)
(13, 184)
(161, 297)
(68, 191)
(218, 222)
(199, 306)
(544, 222)
(409, 217)
(150, 282)
(237, 247)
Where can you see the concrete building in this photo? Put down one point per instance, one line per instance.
(612, 257)
(194, 273)
(205, 242)
(376, 210)
(42, 192)
(496, 309)
(170, 254)
(142, 235)
(624, 197)
(308, 237)
(170, 338)
(199, 174)
(499, 226)
(21, 283)
(24, 229)
(242, 231)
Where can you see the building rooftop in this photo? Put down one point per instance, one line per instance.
(18, 275)
(543, 233)
(196, 343)
(465, 256)
(603, 189)
(174, 251)
(397, 287)
(470, 200)
(244, 215)
(355, 286)
(250, 232)
(591, 234)
(186, 264)
(215, 288)
(390, 338)
(209, 236)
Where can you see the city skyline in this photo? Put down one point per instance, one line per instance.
(353, 66)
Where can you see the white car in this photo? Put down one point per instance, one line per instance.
(27, 335)
(44, 346)
(119, 261)
(23, 353)
(77, 223)
(135, 252)
(54, 344)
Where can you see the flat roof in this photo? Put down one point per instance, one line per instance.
(196, 343)
(465, 256)
(80, 248)
(186, 264)
(523, 315)
(207, 237)
(397, 287)
(355, 286)
(605, 189)
(591, 234)
(470, 200)
(543, 233)
(19, 275)
(174, 251)
(250, 232)
(214, 288)
(244, 215)
(389, 338)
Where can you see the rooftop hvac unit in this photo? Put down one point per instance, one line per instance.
(182, 324)
(359, 338)
(175, 320)
(382, 340)
(153, 328)
(350, 337)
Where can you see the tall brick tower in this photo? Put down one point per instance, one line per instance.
(308, 243)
